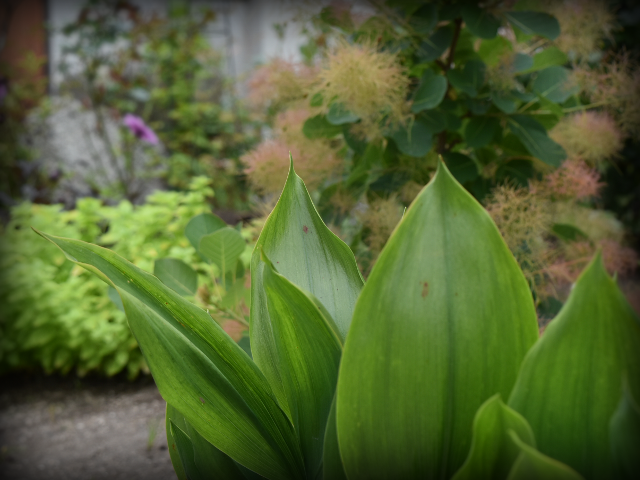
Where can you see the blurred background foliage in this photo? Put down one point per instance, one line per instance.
(530, 104)
(164, 71)
(534, 107)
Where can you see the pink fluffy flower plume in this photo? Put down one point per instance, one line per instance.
(140, 129)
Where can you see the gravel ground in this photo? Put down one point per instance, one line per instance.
(90, 430)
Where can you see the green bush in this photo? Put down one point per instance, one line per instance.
(399, 378)
(58, 317)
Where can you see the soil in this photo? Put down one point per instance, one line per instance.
(55, 429)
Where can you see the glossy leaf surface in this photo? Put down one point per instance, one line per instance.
(533, 465)
(493, 451)
(197, 367)
(176, 275)
(309, 255)
(332, 465)
(309, 352)
(206, 459)
(571, 380)
(441, 325)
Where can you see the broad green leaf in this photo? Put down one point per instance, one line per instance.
(535, 139)
(308, 349)
(533, 465)
(537, 23)
(434, 120)
(223, 248)
(319, 127)
(547, 58)
(316, 100)
(493, 451)
(414, 139)
(202, 225)
(551, 83)
(171, 443)
(479, 131)
(624, 431)
(430, 92)
(470, 79)
(197, 367)
(432, 338)
(339, 115)
(185, 452)
(332, 464)
(310, 256)
(176, 275)
(570, 382)
(434, 46)
(481, 22)
(463, 168)
(115, 298)
(205, 459)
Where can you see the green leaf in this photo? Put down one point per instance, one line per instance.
(482, 23)
(431, 339)
(535, 139)
(434, 46)
(470, 79)
(223, 248)
(339, 115)
(570, 382)
(319, 127)
(434, 120)
(316, 100)
(332, 463)
(202, 225)
(463, 168)
(517, 171)
(624, 431)
(551, 83)
(309, 350)
(569, 233)
(492, 51)
(430, 92)
(171, 443)
(533, 465)
(493, 451)
(115, 298)
(204, 459)
(424, 19)
(310, 256)
(537, 23)
(505, 103)
(547, 58)
(176, 275)
(479, 131)
(522, 62)
(415, 140)
(197, 367)
(185, 452)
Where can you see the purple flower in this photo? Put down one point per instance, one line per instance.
(140, 129)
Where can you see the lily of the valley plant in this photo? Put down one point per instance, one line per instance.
(432, 369)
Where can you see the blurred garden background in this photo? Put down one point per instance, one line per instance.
(162, 129)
